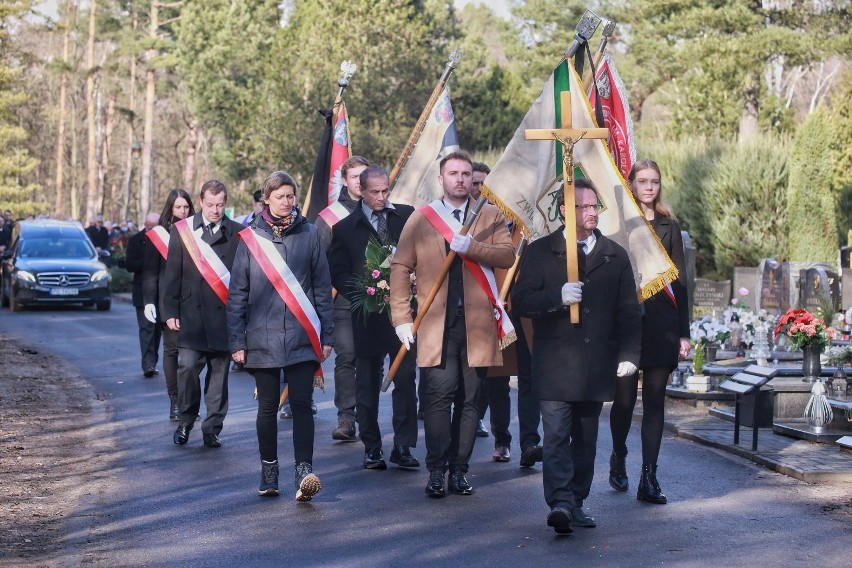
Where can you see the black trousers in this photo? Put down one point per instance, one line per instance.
(149, 340)
(190, 365)
(570, 445)
(300, 378)
(450, 411)
(529, 414)
(495, 395)
(344, 360)
(369, 375)
(170, 359)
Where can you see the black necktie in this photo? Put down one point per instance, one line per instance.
(381, 225)
(457, 215)
(207, 235)
(581, 246)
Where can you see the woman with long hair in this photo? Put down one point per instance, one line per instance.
(665, 340)
(178, 206)
(281, 318)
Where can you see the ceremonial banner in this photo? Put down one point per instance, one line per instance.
(340, 152)
(417, 184)
(333, 151)
(616, 113)
(524, 183)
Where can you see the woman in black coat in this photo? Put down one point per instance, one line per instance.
(266, 335)
(178, 206)
(665, 340)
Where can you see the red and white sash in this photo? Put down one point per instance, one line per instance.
(287, 286)
(441, 218)
(159, 237)
(334, 213)
(211, 267)
(670, 294)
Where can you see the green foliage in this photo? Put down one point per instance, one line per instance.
(122, 280)
(840, 113)
(811, 203)
(746, 203)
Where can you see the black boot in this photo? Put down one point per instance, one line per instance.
(649, 488)
(618, 472)
(174, 413)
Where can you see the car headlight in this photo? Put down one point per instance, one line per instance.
(25, 276)
(100, 275)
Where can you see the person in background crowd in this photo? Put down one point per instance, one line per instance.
(575, 366)
(281, 318)
(98, 234)
(139, 248)
(5, 234)
(665, 340)
(246, 220)
(178, 206)
(201, 253)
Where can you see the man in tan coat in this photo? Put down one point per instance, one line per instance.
(458, 338)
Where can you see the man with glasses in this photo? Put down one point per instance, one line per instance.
(575, 366)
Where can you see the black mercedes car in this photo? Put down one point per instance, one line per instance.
(52, 262)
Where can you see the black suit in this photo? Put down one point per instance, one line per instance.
(203, 336)
(574, 366)
(374, 335)
(139, 248)
(153, 274)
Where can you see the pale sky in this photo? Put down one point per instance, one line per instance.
(500, 7)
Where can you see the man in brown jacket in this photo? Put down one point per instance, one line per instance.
(459, 335)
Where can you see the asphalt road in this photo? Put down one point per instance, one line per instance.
(158, 504)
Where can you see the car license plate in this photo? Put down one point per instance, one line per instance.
(64, 291)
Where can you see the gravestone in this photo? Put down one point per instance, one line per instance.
(773, 277)
(689, 257)
(846, 289)
(746, 277)
(845, 253)
(816, 284)
(710, 297)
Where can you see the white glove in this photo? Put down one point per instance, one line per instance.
(151, 313)
(403, 332)
(625, 369)
(460, 243)
(572, 293)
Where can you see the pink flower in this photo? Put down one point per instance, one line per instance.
(743, 291)
(376, 274)
(734, 301)
(371, 291)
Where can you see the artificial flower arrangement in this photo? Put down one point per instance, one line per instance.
(804, 329)
(707, 331)
(372, 289)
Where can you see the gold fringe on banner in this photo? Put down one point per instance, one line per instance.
(508, 339)
(319, 382)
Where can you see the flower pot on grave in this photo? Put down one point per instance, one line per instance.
(710, 353)
(811, 367)
(698, 383)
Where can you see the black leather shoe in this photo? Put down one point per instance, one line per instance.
(618, 472)
(531, 455)
(581, 519)
(174, 411)
(435, 487)
(375, 459)
(212, 441)
(401, 456)
(182, 435)
(560, 519)
(481, 430)
(150, 372)
(458, 484)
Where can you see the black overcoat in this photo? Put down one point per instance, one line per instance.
(374, 335)
(663, 323)
(139, 248)
(187, 296)
(573, 363)
(153, 274)
(258, 319)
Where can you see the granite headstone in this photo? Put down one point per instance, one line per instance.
(774, 280)
(710, 297)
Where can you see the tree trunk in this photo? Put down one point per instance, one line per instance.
(751, 102)
(99, 146)
(131, 131)
(75, 180)
(63, 90)
(191, 148)
(148, 133)
(105, 166)
(91, 157)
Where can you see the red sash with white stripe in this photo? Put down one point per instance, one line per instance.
(441, 218)
(287, 286)
(159, 237)
(670, 294)
(210, 266)
(334, 213)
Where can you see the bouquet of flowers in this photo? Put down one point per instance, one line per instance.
(372, 289)
(803, 329)
(837, 355)
(708, 331)
(750, 322)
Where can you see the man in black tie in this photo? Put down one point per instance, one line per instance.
(374, 335)
(194, 307)
(574, 366)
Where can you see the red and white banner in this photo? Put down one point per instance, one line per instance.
(616, 113)
(288, 288)
(334, 213)
(159, 237)
(440, 216)
(340, 152)
(209, 265)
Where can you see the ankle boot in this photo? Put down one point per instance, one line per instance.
(174, 412)
(649, 488)
(618, 472)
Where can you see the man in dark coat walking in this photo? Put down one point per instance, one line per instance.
(138, 249)
(375, 216)
(201, 253)
(575, 366)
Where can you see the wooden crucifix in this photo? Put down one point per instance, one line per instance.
(567, 135)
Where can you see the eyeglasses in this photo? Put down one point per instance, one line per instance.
(589, 207)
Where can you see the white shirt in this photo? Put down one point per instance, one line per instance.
(588, 244)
